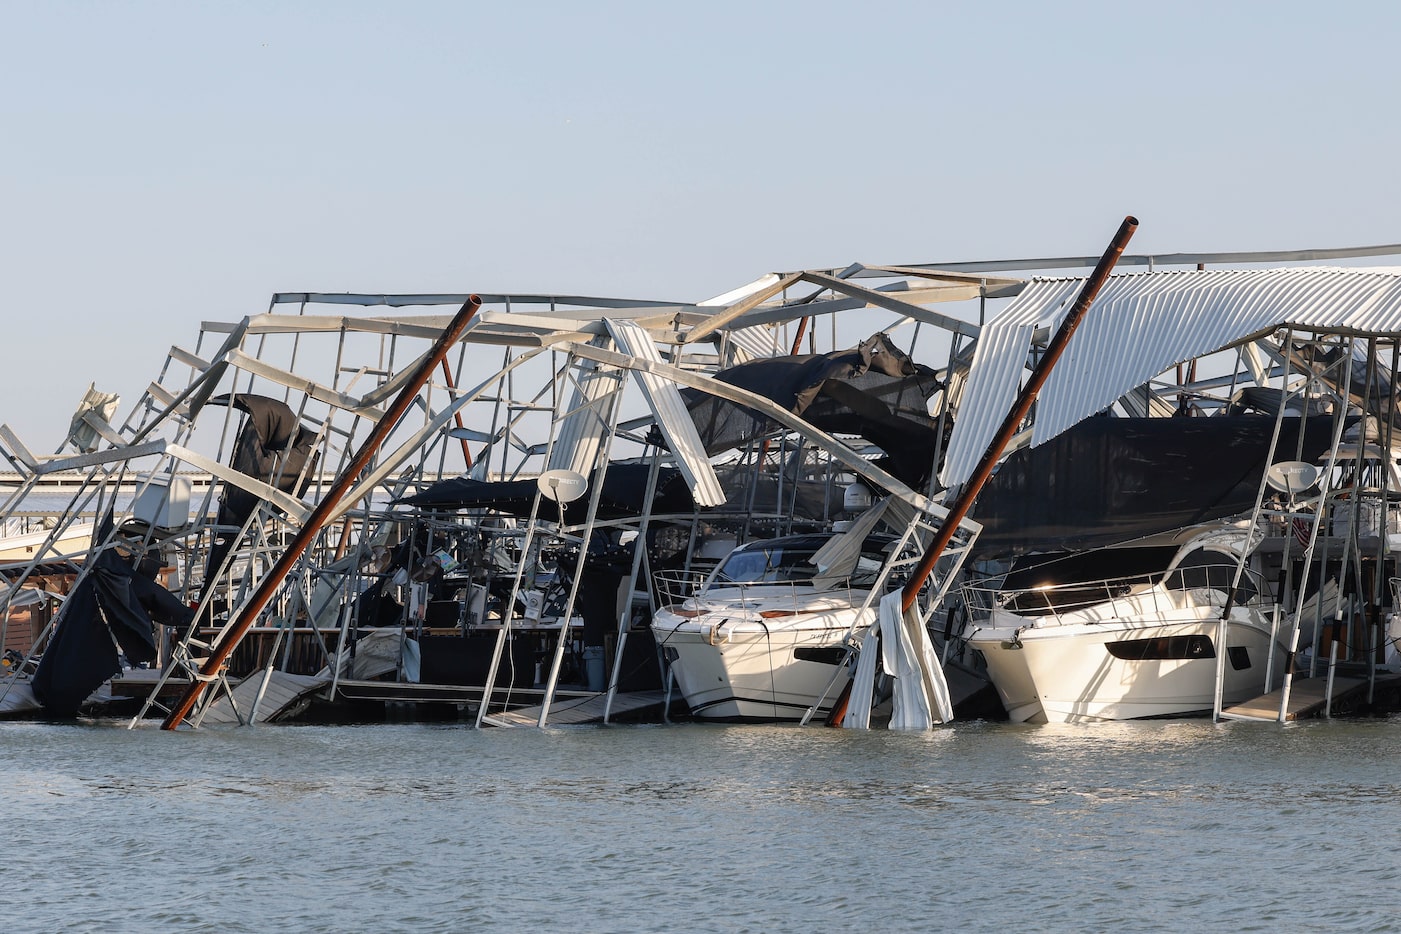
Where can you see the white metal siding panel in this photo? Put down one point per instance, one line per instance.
(838, 555)
(664, 399)
(994, 377)
(579, 434)
(752, 343)
(1140, 325)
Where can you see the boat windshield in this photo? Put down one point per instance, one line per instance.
(780, 563)
(764, 564)
(1213, 570)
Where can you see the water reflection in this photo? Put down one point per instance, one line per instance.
(974, 827)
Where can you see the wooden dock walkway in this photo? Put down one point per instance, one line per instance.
(575, 711)
(287, 693)
(1306, 699)
(284, 693)
(139, 682)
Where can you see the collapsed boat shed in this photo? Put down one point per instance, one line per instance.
(1144, 324)
(1255, 390)
(326, 564)
(468, 503)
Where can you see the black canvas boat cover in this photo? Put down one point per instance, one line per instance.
(624, 486)
(1110, 480)
(273, 446)
(118, 599)
(874, 391)
(623, 489)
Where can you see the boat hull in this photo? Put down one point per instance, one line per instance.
(750, 671)
(1068, 673)
(72, 542)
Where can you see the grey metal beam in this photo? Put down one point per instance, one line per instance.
(891, 303)
(296, 509)
(835, 448)
(80, 461)
(731, 312)
(1164, 259)
(331, 397)
(399, 300)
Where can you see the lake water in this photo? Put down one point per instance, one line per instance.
(1154, 826)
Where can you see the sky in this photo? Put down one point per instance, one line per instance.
(167, 163)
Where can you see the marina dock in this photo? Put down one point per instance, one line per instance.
(1309, 698)
(580, 710)
(288, 695)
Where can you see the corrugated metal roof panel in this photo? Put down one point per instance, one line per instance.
(839, 554)
(1142, 324)
(579, 434)
(753, 343)
(669, 409)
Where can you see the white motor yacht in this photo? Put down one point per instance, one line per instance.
(765, 636)
(1126, 633)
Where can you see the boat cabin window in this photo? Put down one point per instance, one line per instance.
(867, 569)
(1066, 582)
(778, 562)
(764, 564)
(1054, 570)
(1174, 648)
(1213, 570)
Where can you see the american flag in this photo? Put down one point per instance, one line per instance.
(1302, 528)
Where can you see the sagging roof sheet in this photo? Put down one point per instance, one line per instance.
(874, 391)
(1142, 324)
(1111, 480)
(624, 486)
(669, 410)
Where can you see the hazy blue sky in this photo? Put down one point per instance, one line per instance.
(166, 163)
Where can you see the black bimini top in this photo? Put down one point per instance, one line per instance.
(1111, 480)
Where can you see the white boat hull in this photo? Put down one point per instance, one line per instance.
(748, 670)
(73, 542)
(1066, 673)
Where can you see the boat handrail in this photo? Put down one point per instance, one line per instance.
(675, 587)
(1071, 597)
(688, 592)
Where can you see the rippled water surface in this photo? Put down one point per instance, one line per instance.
(1146, 826)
